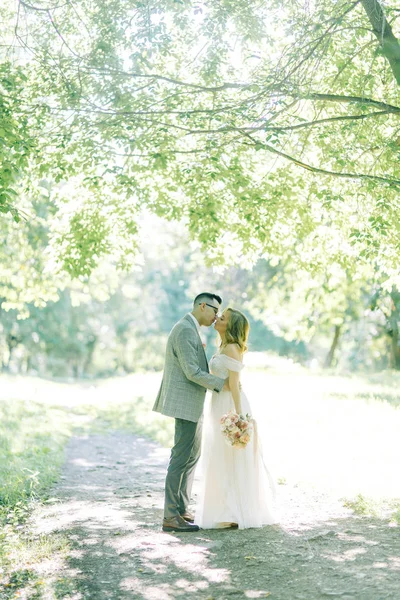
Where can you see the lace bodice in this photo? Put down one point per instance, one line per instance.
(220, 364)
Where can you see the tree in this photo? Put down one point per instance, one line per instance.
(388, 304)
(16, 141)
(261, 125)
(319, 309)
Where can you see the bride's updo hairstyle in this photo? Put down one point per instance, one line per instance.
(237, 329)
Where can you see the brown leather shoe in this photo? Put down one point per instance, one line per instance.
(188, 516)
(178, 524)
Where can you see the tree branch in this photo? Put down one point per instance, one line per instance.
(323, 171)
(217, 88)
(39, 9)
(329, 120)
(347, 99)
(333, 22)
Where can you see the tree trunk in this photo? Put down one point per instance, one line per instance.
(12, 342)
(8, 361)
(394, 347)
(90, 347)
(389, 43)
(331, 354)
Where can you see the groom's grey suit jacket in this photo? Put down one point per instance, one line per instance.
(186, 375)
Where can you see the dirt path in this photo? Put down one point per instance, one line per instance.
(108, 504)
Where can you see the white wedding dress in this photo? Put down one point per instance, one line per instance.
(235, 485)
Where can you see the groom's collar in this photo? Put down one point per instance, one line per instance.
(195, 321)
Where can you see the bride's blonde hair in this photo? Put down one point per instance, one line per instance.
(237, 329)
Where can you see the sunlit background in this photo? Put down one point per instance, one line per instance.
(324, 395)
(150, 151)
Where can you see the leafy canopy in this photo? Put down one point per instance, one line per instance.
(272, 128)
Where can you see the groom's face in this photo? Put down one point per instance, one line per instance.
(210, 311)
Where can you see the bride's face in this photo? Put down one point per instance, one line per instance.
(222, 322)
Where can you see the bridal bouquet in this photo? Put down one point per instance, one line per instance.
(236, 429)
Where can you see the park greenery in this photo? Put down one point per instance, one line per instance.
(280, 115)
(346, 418)
(152, 150)
(117, 322)
(268, 130)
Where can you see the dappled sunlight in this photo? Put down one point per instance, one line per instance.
(322, 441)
(189, 586)
(356, 538)
(162, 551)
(112, 519)
(168, 555)
(82, 462)
(93, 515)
(115, 530)
(189, 557)
(347, 555)
(164, 591)
(394, 562)
(145, 540)
(88, 490)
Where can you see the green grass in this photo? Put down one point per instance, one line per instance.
(363, 506)
(33, 434)
(32, 439)
(34, 429)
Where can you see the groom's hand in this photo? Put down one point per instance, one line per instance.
(226, 387)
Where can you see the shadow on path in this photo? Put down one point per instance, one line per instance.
(109, 505)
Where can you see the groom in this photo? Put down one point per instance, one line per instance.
(182, 393)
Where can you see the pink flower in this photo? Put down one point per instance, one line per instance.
(236, 429)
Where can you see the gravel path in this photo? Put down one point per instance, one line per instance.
(108, 504)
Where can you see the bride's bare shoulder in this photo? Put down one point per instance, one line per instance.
(233, 351)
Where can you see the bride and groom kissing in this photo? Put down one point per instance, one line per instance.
(236, 488)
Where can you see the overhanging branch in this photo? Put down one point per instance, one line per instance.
(329, 120)
(313, 169)
(348, 99)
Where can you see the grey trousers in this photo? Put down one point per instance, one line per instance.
(184, 457)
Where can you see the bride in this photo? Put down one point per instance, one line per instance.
(236, 488)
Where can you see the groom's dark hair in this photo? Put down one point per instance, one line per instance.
(204, 296)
